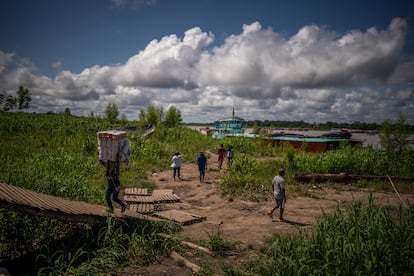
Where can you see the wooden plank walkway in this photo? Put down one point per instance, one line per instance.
(157, 196)
(27, 201)
(180, 217)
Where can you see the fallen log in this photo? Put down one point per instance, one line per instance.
(189, 244)
(343, 177)
(177, 257)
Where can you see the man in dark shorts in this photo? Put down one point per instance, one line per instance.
(278, 188)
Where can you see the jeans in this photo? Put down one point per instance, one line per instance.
(110, 189)
(176, 172)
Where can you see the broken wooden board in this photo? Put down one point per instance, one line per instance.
(158, 196)
(180, 217)
(164, 196)
(137, 191)
(144, 208)
(136, 199)
(34, 203)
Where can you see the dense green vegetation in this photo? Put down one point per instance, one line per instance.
(361, 240)
(57, 154)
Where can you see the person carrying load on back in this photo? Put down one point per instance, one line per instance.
(113, 150)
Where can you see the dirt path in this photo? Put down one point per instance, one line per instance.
(241, 221)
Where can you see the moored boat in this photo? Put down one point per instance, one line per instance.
(231, 126)
(313, 144)
(235, 127)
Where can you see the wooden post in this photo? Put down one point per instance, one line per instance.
(395, 189)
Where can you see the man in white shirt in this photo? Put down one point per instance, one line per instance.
(278, 188)
(176, 164)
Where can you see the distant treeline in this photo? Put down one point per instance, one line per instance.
(302, 124)
(305, 125)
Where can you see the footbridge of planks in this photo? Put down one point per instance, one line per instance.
(27, 201)
(142, 206)
(141, 201)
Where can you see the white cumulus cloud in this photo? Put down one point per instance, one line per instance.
(316, 75)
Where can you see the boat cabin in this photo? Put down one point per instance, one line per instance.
(228, 127)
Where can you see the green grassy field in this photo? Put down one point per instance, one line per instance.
(57, 154)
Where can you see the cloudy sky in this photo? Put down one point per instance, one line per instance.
(316, 61)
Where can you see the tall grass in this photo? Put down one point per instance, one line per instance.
(221, 246)
(249, 177)
(357, 161)
(252, 178)
(106, 250)
(361, 240)
(57, 155)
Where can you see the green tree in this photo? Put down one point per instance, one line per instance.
(111, 112)
(154, 115)
(9, 103)
(172, 117)
(393, 136)
(67, 111)
(142, 118)
(23, 97)
(124, 120)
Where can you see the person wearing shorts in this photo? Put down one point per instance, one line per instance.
(278, 188)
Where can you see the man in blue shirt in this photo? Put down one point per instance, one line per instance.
(202, 165)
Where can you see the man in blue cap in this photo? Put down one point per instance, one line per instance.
(278, 188)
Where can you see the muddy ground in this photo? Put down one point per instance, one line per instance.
(243, 222)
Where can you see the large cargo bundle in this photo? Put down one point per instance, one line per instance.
(113, 146)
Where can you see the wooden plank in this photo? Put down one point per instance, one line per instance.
(136, 191)
(143, 208)
(180, 217)
(133, 199)
(158, 198)
(162, 192)
(26, 201)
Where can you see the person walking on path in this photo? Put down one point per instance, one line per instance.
(278, 188)
(114, 186)
(176, 164)
(230, 155)
(220, 153)
(202, 165)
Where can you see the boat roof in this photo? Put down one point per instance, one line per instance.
(313, 139)
(231, 119)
